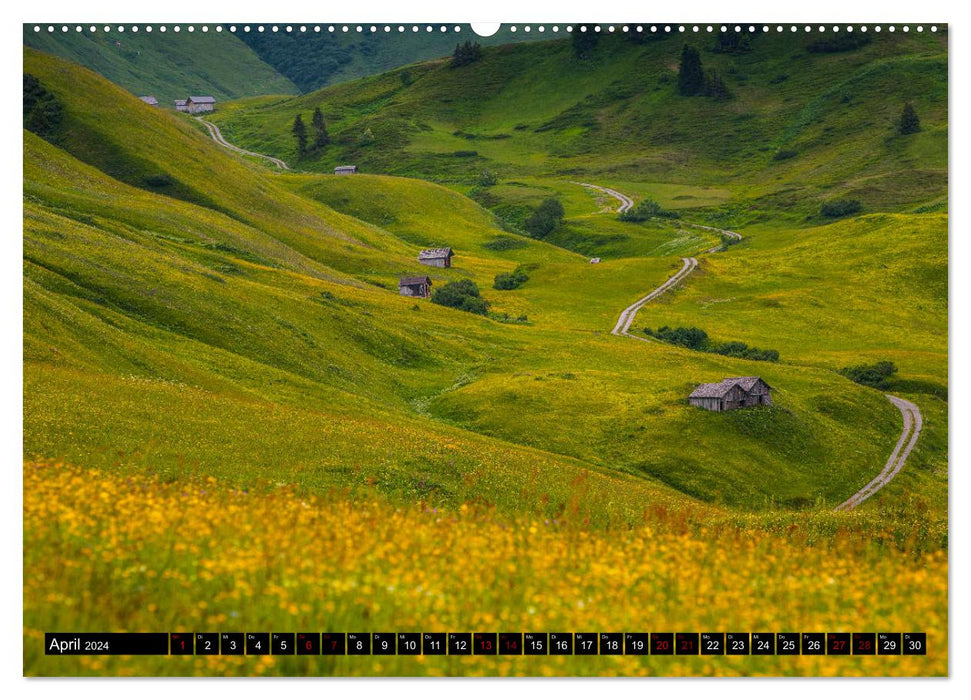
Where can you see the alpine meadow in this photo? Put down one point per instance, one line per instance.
(463, 386)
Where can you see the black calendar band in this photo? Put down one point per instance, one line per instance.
(486, 643)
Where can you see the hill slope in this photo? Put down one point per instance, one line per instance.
(169, 65)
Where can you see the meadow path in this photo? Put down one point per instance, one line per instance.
(217, 136)
(628, 314)
(913, 421)
(625, 201)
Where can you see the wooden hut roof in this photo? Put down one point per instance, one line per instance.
(746, 382)
(712, 391)
(434, 253)
(202, 99)
(409, 281)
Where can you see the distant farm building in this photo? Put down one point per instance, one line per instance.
(594, 261)
(732, 393)
(436, 257)
(200, 103)
(415, 286)
(345, 170)
(181, 106)
(149, 100)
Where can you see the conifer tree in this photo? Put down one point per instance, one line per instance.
(691, 76)
(300, 133)
(321, 137)
(908, 122)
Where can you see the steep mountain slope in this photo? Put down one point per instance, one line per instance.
(169, 65)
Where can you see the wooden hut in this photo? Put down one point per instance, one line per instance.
(149, 100)
(731, 393)
(200, 103)
(415, 287)
(436, 257)
(345, 170)
(180, 106)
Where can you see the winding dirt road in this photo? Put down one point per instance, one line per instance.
(913, 421)
(628, 314)
(625, 201)
(217, 136)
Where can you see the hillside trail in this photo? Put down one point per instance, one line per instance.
(913, 420)
(218, 137)
(625, 201)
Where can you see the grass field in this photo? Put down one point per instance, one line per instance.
(208, 342)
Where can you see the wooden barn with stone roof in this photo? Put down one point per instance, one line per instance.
(436, 257)
(731, 393)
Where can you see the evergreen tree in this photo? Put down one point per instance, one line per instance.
(691, 76)
(908, 122)
(321, 137)
(584, 41)
(715, 86)
(465, 54)
(300, 133)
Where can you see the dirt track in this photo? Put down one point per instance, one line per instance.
(217, 136)
(913, 422)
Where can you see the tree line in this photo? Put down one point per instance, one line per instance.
(319, 132)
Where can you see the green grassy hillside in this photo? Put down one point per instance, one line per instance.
(170, 65)
(282, 288)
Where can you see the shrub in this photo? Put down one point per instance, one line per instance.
(648, 209)
(487, 178)
(511, 280)
(696, 339)
(841, 207)
(545, 219)
(462, 295)
(875, 375)
(785, 154)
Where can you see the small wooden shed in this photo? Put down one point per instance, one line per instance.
(345, 170)
(731, 393)
(200, 103)
(149, 100)
(436, 257)
(415, 287)
(180, 106)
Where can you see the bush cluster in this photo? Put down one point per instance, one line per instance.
(648, 209)
(548, 215)
(462, 295)
(840, 207)
(511, 280)
(465, 54)
(697, 339)
(875, 375)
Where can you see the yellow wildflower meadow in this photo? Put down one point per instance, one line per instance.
(106, 552)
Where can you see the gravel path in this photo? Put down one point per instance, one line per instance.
(628, 314)
(625, 201)
(913, 422)
(217, 136)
